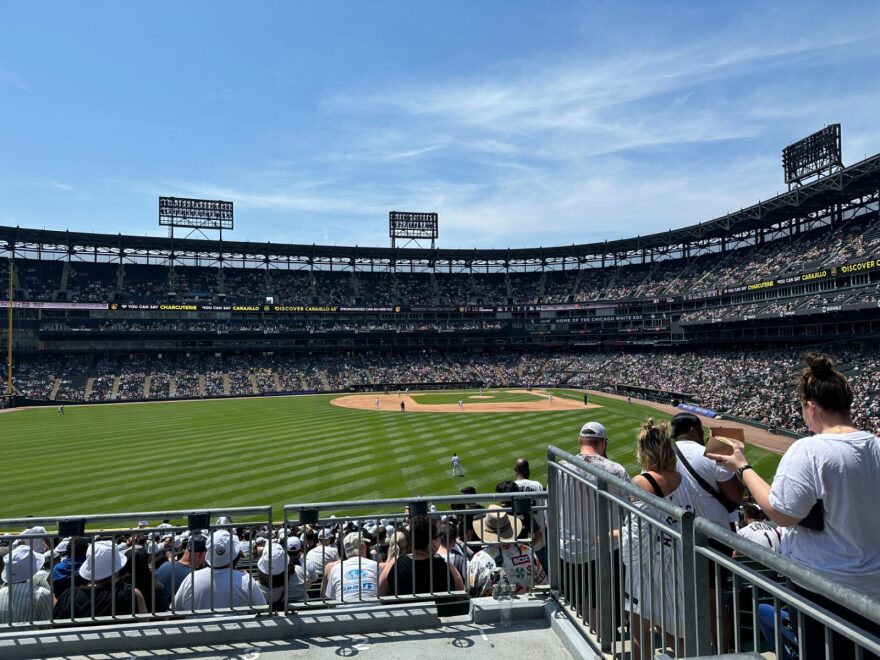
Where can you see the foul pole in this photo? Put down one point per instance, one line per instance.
(9, 336)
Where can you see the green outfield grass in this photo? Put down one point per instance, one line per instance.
(248, 452)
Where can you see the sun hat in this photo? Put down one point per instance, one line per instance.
(21, 564)
(222, 547)
(497, 526)
(31, 531)
(107, 559)
(593, 430)
(279, 560)
(63, 546)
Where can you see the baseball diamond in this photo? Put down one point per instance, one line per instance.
(280, 450)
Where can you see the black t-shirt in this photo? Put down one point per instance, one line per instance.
(405, 572)
(104, 598)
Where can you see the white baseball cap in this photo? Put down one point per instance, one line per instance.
(222, 547)
(593, 430)
(22, 564)
(107, 559)
(325, 534)
(294, 544)
(279, 560)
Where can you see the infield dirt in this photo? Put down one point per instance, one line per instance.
(392, 402)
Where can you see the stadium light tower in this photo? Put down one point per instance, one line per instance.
(198, 215)
(816, 155)
(413, 228)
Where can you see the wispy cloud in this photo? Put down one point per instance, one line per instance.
(566, 146)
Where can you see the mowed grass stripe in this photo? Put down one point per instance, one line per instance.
(278, 450)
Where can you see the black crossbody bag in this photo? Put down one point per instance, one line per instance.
(723, 500)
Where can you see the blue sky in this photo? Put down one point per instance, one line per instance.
(520, 123)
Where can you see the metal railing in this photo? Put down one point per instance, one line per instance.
(109, 571)
(640, 573)
(646, 576)
(214, 565)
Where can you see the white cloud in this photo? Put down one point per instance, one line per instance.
(563, 151)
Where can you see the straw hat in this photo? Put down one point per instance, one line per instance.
(497, 526)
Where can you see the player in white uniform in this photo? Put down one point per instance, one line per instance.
(377, 403)
(456, 466)
(461, 405)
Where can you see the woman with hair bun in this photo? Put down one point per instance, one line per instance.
(825, 496)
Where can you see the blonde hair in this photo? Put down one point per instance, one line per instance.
(397, 545)
(654, 450)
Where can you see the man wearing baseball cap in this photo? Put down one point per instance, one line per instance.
(172, 574)
(325, 552)
(578, 536)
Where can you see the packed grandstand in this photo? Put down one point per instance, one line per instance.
(734, 300)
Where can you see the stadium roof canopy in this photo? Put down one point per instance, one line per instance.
(855, 185)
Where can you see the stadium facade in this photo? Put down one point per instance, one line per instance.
(792, 270)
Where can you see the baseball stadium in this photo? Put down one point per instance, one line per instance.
(657, 446)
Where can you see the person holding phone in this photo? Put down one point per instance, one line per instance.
(824, 496)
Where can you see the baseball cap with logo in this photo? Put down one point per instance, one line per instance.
(593, 430)
(294, 544)
(222, 547)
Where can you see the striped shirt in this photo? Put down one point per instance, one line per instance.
(19, 602)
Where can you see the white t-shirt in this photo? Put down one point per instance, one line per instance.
(354, 580)
(245, 590)
(763, 534)
(713, 473)
(575, 501)
(539, 517)
(321, 555)
(841, 470)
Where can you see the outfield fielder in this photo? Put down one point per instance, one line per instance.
(461, 405)
(456, 466)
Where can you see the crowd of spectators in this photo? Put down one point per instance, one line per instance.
(166, 570)
(747, 384)
(104, 282)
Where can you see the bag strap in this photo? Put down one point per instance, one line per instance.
(729, 506)
(651, 480)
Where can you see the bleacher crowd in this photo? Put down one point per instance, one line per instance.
(751, 385)
(80, 281)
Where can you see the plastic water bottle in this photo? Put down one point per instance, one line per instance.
(505, 602)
